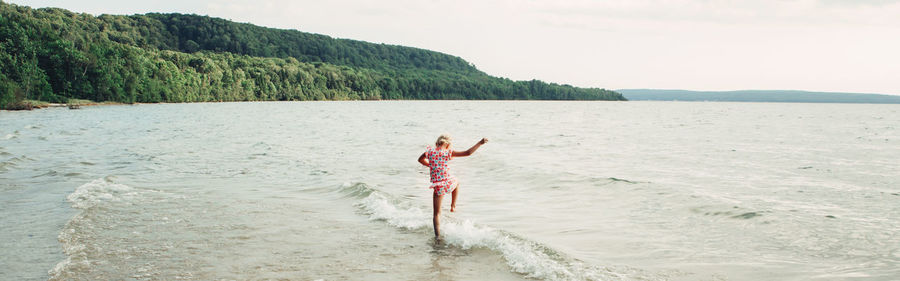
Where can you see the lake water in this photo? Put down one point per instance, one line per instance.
(563, 191)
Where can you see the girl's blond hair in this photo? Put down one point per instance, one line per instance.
(445, 138)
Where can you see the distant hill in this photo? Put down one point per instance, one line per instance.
(193, 33)
(756, 96)
(54, 55)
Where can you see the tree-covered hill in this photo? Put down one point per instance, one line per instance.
(53, 55)
(191, 33)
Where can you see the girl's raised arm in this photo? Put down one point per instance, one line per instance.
(423, 160)
(471, 150)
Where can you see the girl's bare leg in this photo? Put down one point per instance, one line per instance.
(436, 199)
(453, 198)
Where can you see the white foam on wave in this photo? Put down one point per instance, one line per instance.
(99, 191)
(523, 256)
(378, 208)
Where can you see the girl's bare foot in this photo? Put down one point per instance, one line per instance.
(452, 208)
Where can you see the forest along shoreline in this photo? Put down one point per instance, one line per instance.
(32, 104)
(53, 55)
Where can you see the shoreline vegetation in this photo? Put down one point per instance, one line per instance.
(71, 104)
(53, 55)
(33, 104)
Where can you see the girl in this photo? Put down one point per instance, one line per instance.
(437, 159)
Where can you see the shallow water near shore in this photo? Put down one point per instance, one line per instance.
(563, 191)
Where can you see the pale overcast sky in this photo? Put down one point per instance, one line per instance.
(817, 45)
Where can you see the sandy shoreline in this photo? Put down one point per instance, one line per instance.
(29, 106)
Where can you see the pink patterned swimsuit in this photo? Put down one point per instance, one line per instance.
(441, 180)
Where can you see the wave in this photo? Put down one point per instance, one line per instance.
(50, 173)
(733, 212)
(5, 164)
(532, 259)
(99, 191)
(356, 190)
(77, 231)
(13, 161)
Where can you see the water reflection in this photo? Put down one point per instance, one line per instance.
(442, 263)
